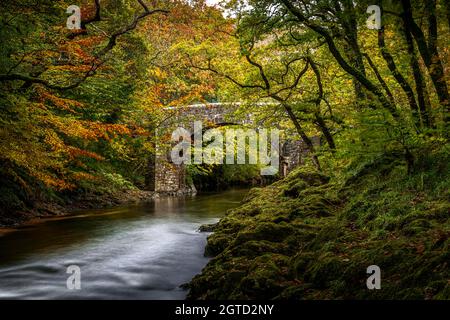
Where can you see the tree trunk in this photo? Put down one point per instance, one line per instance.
(326, 132)
(398, 76)
(353, 51)
(421, 89)
(429, 52)
(150, 170)
(304, 136)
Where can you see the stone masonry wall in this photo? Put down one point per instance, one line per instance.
(171, 178)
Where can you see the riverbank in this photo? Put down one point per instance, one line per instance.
(312, 236)
(128, 252)
(49, 209)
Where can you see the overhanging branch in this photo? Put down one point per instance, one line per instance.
(97, 62)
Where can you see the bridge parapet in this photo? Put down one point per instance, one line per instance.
(210, 113)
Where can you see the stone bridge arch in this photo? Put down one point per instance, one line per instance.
(164, 176)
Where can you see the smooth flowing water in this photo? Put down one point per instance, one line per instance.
(140, 252)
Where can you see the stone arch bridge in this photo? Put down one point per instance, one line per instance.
(164, 176)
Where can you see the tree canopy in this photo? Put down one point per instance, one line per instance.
(82, 106)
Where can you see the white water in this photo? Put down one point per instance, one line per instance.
(143, 252)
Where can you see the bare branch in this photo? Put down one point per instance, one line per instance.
(211, 69)
(261, 71)
(97, 62)
(143, 5)
(379, 77)
(131, 26)
(37, 80)
(296, 81)
(340, 59)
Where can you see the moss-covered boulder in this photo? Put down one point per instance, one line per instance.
(312, 237)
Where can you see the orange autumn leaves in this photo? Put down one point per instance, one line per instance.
(64, 129)
(57, 141)
(171, 80)
(62, 137)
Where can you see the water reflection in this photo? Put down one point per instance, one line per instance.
(141, 252)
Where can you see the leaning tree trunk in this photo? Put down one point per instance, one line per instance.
(304, 136)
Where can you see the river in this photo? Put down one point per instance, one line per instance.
(135, 252)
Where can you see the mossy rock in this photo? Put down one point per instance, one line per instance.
(252, 248)
(314, 205)
(294, 188)
(266, 277)
(300, 262)
(231, 224)
(312, 178)
(439, 211)
(216, 244)
(249, 210)
(306, 237)
(327, 267)
(298, 291)
(251, 195)
(269, 231)
(207, 227)
(416, 226)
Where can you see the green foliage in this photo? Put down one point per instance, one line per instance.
(80, 114)
(308, 237)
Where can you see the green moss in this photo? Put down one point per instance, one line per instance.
(294, 188)
(265, 278)
(216, 244)
(265, 231)
(309, 237)
(253, 248)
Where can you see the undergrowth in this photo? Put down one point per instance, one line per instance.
(310, 236)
